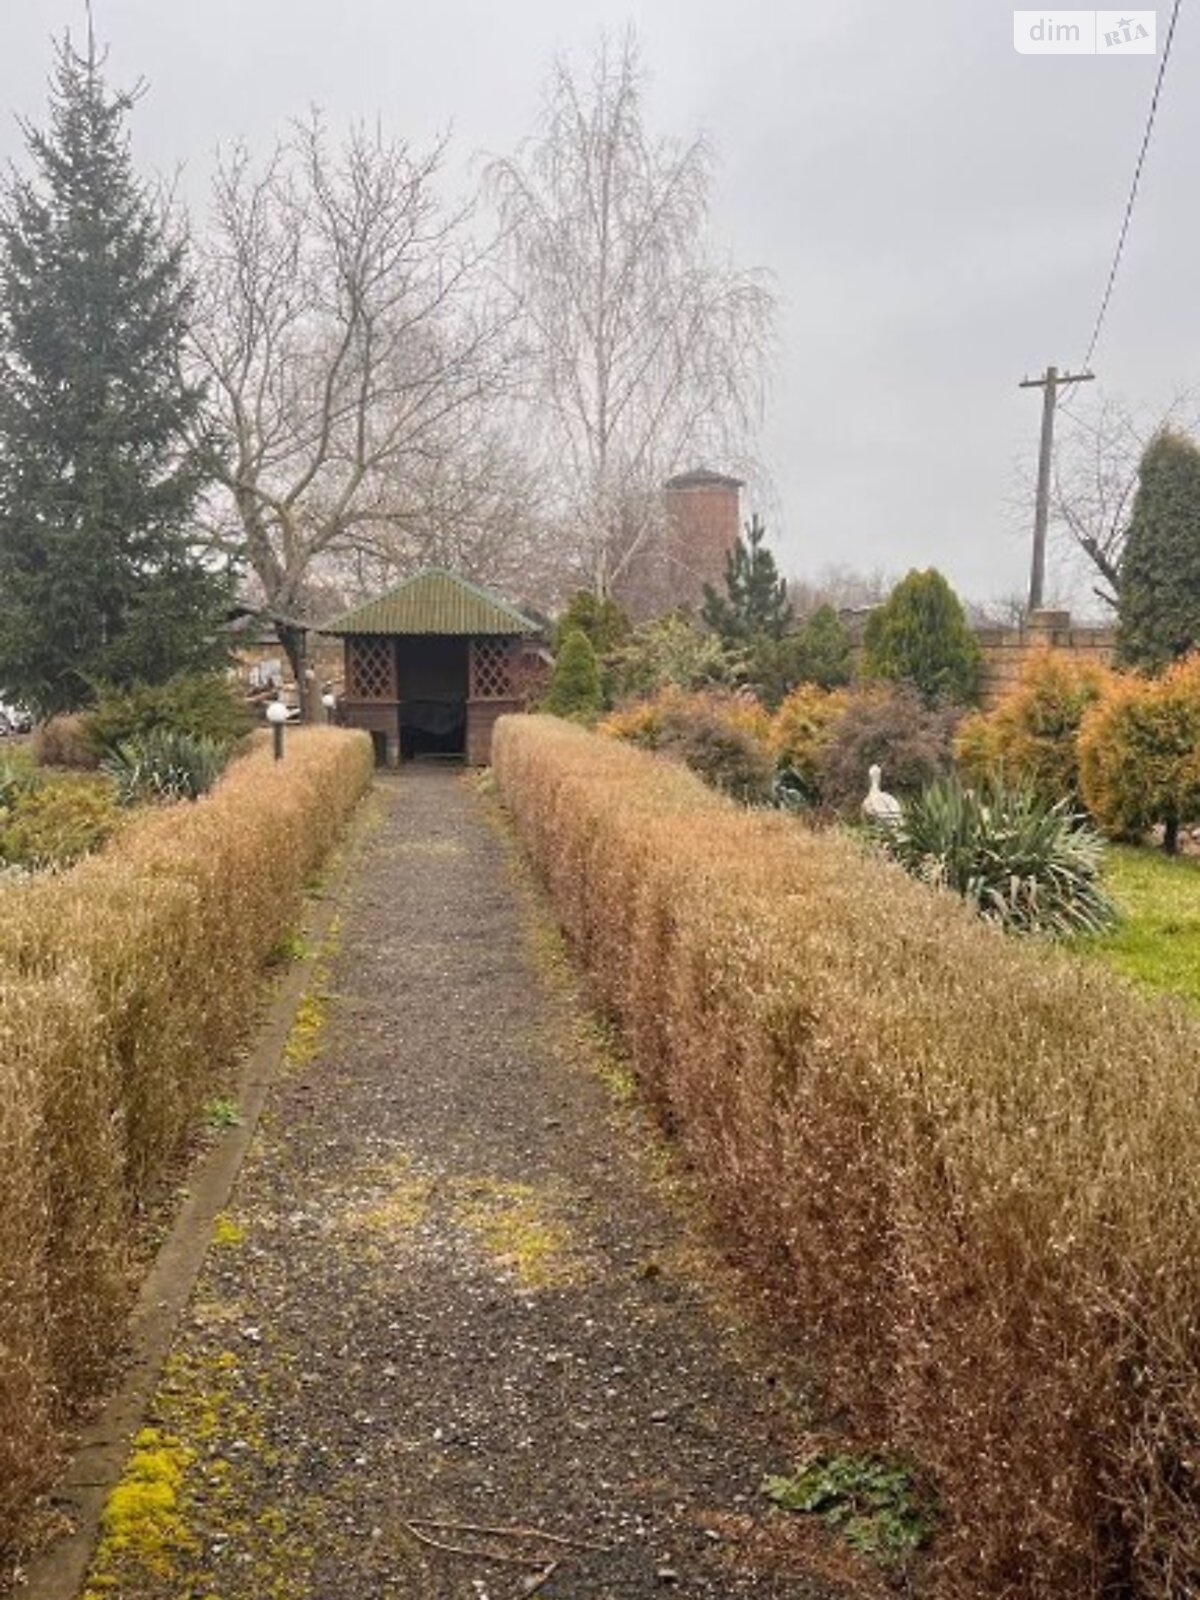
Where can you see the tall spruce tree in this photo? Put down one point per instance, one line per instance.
(755, 603)
(100, 580)
(1159, 600)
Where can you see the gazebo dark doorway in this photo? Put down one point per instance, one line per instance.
(432, 671)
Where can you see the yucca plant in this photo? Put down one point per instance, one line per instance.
(165, 766)
(1031, 867)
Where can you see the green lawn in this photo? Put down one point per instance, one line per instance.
(1158, 940)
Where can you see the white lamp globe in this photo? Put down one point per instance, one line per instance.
(329, 701)
(277, 712)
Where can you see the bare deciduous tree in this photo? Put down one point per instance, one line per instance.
(1095, 478)
(841, 587)
(644, 353)
(474, 508)
(343, 336)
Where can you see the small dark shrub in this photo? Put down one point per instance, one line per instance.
(65, 741)
(202, 705)
(719, 751)
(1031, 867)
(891, 727)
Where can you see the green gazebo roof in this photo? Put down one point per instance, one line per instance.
(433, 602)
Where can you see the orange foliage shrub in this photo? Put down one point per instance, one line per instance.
(642, 721)
(800, 730)
(1139, 753)
(1030, 740)
(970, 1164)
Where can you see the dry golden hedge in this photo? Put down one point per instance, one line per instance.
(125, 986)
(970, 1164)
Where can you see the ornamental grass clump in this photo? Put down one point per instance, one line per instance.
(1028, 866)
(967, 1162)
(165, 766)
(126, 985)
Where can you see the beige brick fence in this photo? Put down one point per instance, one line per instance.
(1005, 650)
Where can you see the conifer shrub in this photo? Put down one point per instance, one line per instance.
(56, 823)
(575, 688)
(1158, 602)
(198, 705)
(920, 636)
(603, 621)
(967, 1163)
(821, 651)
(1031, 739)
(1139, 754)
(892, 727)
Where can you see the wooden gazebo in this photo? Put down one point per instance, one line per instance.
(431, 665)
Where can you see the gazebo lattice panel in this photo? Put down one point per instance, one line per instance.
(371, 663)
(491, 669)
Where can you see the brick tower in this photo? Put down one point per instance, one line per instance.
(703, 520)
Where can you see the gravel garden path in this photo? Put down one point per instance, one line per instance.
(458, 1290)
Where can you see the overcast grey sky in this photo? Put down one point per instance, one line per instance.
(937, 210)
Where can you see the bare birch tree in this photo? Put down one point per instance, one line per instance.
(645, 354)
(343, 336)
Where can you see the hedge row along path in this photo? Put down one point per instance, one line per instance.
(456, 1290)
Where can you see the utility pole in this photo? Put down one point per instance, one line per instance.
(1050, 384)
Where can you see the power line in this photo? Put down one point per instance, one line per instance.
(1133, 188)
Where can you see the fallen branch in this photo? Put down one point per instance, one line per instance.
(465, 1550)
(505, 1533)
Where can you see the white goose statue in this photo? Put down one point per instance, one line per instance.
(879, 806)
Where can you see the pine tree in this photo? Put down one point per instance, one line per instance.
(920, 636)
(99, 578)
(1159, 599)
(755, 604)
(604, 622)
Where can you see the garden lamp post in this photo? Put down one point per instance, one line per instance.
(277, 716)
(329, 701)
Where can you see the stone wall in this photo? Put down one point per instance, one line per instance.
(1005, 650)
